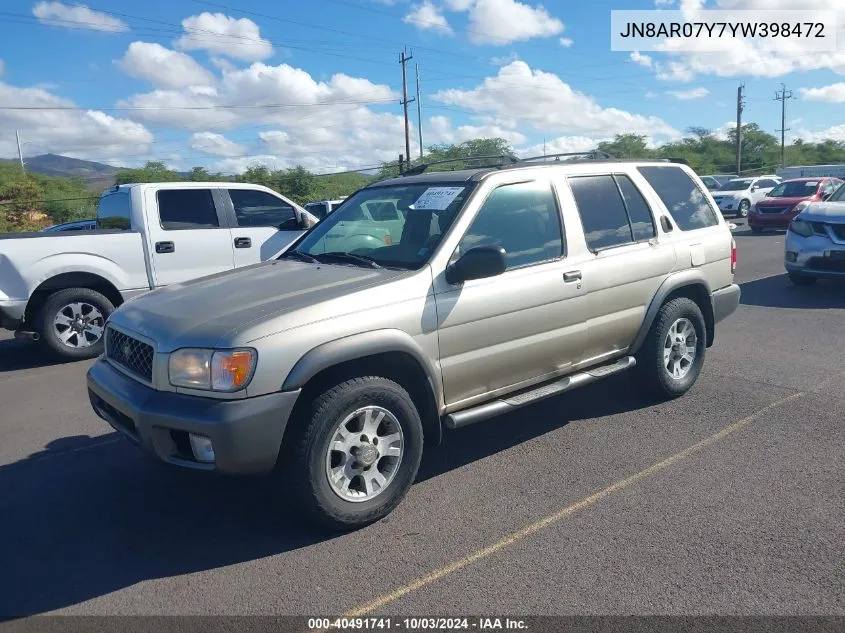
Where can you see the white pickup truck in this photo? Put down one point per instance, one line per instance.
(59, 288)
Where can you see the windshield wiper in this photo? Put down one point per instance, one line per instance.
(349, 257)
(300, 255)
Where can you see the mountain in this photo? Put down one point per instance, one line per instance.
(97, 176)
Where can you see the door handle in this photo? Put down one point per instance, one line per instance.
(165, 247)
(243, 242)
(572, 275)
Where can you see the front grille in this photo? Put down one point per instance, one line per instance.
(772, 209)
(838, 230)
(827, 263)
(133, 355)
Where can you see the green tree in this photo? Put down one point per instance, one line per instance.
(153, 171)
(626, 146)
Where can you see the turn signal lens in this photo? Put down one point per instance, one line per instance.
(232, 370)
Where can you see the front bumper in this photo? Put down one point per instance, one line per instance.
(725, 302)
(12, 314)
(246, 434)
(770, 220)
(815, 256)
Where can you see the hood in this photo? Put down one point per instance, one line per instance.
(782, 202)
(833, 212)
(201, 312)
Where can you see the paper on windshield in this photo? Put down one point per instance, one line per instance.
(437, 198)
(812, 183)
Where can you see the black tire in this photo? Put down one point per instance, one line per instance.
(305, 472)
(50, 310)
(802, 280)
(756, 229)
(650, 371)
(744, 207)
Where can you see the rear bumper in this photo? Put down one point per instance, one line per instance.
(246, 434)
(12, 314)
(725, 302)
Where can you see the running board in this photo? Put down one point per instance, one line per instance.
(492, 409)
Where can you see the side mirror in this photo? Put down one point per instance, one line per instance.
(291, 224)
(477, 263)
(754, 188)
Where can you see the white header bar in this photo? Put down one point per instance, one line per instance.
(706, 30)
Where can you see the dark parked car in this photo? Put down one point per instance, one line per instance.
(78, 225)
(787, 200)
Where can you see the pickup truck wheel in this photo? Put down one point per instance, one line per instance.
(72, 323)
(671, 358)
(357, 454)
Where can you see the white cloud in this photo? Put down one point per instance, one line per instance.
(427, 17)
(163, 67)
(834, 93)
(689, 95)
(500, 22)
(459, 5)
(561, 145)
(504, 60)
(520, 95)
(78, 133)
(566, 42)
(835, 133)
(643, 60)
(224, 35)
(441, 130)
(215, 144)
(64, 15)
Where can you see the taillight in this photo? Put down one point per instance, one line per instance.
(733, 256)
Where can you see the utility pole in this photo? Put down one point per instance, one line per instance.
(20, 153)
(740, 105)
(782, 96)
(419, 109)
(403, 59)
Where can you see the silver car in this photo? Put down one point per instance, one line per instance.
(815, 241)
(426, 302)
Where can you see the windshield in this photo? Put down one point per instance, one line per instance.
(838, 195)
(735, 185)
(796, 189)
(394, 226)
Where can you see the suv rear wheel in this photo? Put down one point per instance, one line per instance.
(357, 453)
(671, 358)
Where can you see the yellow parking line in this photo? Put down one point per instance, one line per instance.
(528, 530)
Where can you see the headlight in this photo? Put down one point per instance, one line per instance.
(798, 208)
(212, 370)
(801, 227)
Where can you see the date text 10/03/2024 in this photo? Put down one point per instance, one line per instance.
(417, 624)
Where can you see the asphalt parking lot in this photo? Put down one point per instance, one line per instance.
(730, 500)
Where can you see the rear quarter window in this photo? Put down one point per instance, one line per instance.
(681, 195)
(114, 212)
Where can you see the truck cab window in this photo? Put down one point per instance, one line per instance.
(187, 209)
(259, 208)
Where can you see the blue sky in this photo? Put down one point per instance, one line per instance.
(156, 80)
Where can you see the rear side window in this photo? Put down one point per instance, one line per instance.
(682, 197)
(602, 211)
(259, 208)
(187, 209)
(114, 212)
(766, 183)
(642, 222)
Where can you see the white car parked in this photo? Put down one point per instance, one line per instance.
(738, 195)
(59, 288)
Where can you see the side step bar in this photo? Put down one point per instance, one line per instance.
(488, 410)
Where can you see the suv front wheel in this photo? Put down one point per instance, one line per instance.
(357, 453)
(671, 358)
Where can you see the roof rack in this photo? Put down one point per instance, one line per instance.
(420, 169)
(595, 154)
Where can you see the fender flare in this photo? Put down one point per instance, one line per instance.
(675, 281)
(358, 346)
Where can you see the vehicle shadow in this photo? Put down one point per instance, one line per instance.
(86, 517)
(17, 354)
(779, 292)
